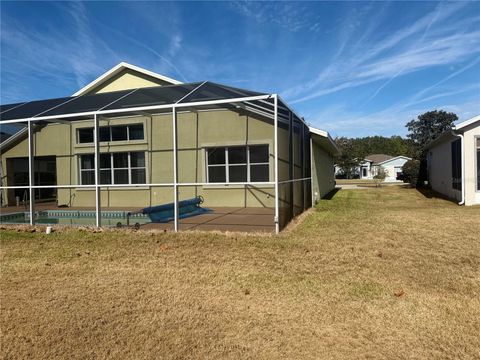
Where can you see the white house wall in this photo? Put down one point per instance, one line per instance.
(390, 166)
(472, 195)
(440, 170)
(367, 166)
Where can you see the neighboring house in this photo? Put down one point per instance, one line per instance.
(158, 137)
(454, 162)
(392, 165)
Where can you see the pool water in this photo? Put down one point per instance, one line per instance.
(74, 217)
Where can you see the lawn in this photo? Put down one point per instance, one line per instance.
(380, 273)
(354, 181)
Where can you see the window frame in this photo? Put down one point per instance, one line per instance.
(112, 169)
(456, 164)
(109, 127)
(227, 163)
(81, 171)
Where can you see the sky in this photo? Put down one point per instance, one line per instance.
(351, 68)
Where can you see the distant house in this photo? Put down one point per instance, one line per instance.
(368, 168)
(392, 165)
(454, 162)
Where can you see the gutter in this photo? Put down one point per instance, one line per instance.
(462, 160)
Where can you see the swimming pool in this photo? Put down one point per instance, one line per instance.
(75, 217)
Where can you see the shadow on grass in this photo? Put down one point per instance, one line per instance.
(432, 194)
(331, 194)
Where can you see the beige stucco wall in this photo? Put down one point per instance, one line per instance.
(323, 172)
(196, 131)
(127, 79)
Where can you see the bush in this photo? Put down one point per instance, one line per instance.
(380, 176)
(411, 170)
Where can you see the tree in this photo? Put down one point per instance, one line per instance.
(354, 151)
(410, 172)
(428, 127)
(394, 145)
(425, 129)
(349, 159)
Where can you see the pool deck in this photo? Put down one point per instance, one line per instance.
(220, 219)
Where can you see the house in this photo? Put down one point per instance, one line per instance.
(453, 162)
(392, 165)
(368, 168)
(159, 141)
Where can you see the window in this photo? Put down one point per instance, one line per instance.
(238, 164)
(111, 133)
(85, 135)
(115, 168)
(135, 132)
(477, 141)
(119, 133)
(457, 165)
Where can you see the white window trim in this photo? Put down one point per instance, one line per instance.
(112, 169)
(227, 165)
(78, 143)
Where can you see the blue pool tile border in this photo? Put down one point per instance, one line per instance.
(13, 218)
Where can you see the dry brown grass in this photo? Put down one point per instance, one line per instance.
(378, 273)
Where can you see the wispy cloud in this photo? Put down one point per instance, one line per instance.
(55, 53)
(340, 120)
(350, 67)
(165, 57)
(291, 16)
(419, 97)
(413, 48)
(174, 47)
(83, 57)
(72, 57)
(175, 44)
(473, 88)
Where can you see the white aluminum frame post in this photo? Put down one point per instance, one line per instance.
(275, 129)
(312, 194)
(31, 173)
(175, 168)
(98, 195)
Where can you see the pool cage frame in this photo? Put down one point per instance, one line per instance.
(267, 99)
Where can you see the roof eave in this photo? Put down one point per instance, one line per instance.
(12, 140)
(447, 135)
(466, 123)
(322, 133)
(394, 158)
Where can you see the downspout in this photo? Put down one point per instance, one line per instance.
(462, 160)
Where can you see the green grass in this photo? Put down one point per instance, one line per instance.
(375, 273)
(354, 181)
